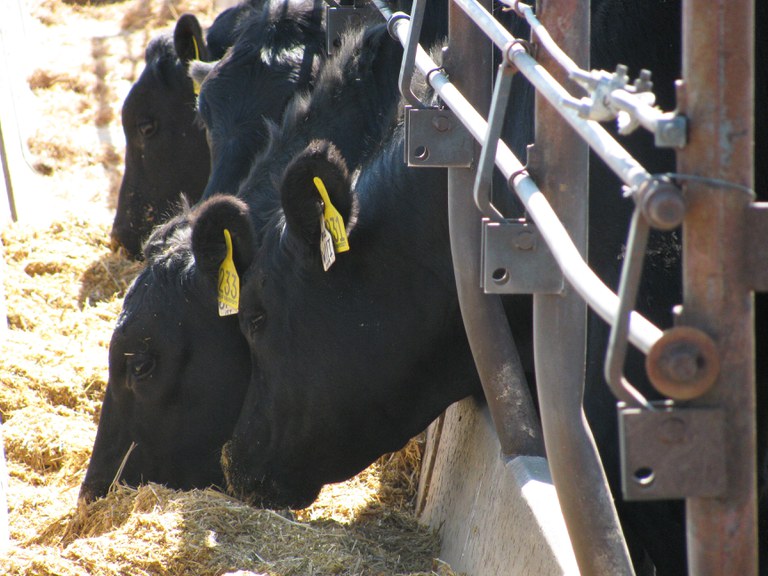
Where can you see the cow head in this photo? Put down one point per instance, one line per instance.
(277, 54)
(177, 375)
(166, 153)
(358, 358)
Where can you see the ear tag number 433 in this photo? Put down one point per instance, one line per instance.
(229, 282)
(333, 233)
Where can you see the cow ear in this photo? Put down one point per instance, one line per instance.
(209, 221)
(301, 195)
(188, 39)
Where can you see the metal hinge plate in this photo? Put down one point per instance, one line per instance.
(516, 260)
(672, 453)
(436, 138)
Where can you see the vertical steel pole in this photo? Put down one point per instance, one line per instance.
(718, 99)
(560, 164)
(469, 60)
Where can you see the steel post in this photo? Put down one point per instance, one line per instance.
(469, 59)
(718, 99)
(560, 164)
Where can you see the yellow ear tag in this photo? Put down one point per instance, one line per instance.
(197, 50)
(195, 85)
(332, 219)
(229, 282)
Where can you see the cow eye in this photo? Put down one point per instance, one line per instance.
(140, 366)
(147, 128)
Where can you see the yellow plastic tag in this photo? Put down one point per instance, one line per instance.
(195, 85)
(333, 220)
(197, 50)
(229, 282)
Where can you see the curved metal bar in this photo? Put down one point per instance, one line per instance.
(489, 334)
(639, 230)
(409, 53)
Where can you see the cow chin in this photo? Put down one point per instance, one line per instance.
(262, 492)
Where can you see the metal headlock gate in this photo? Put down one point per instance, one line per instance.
(705, 364)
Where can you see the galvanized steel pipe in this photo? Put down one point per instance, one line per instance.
(488, 331)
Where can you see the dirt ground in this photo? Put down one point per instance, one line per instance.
(64, 289)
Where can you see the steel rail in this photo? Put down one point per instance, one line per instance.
(625, 100)
(544, 37)
(560, 165)
(642, 333)
(611, 152)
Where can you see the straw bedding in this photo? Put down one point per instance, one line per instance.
(64, 288)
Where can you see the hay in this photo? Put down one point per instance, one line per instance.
(154, 530)
(64, 290)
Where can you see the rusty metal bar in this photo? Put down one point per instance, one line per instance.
(469, 58)
(560, 163)
(718, 99)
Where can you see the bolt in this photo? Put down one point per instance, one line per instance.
(441, 123)
(525, 240)
(670, 131)
(681, 363)
(663, 205)
(672, 431)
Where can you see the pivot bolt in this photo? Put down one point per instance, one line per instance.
(683, 364)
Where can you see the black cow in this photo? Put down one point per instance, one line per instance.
(238, 100)
(166, 153)
(177, 371)
(354, 360)
(162, 394)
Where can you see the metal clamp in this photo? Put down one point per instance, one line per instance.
(599, 84)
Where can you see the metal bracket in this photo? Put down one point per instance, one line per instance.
(671, 131)
(516, 260)
(436, 138)
(672, 452)
(340, 18)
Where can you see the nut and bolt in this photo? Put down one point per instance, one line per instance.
(525, 240)
(441, 123)
(662, 204)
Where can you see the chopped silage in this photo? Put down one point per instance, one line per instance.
(64, 289)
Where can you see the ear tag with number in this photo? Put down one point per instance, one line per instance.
(334, 223)
(229, 282)
(326, 246)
